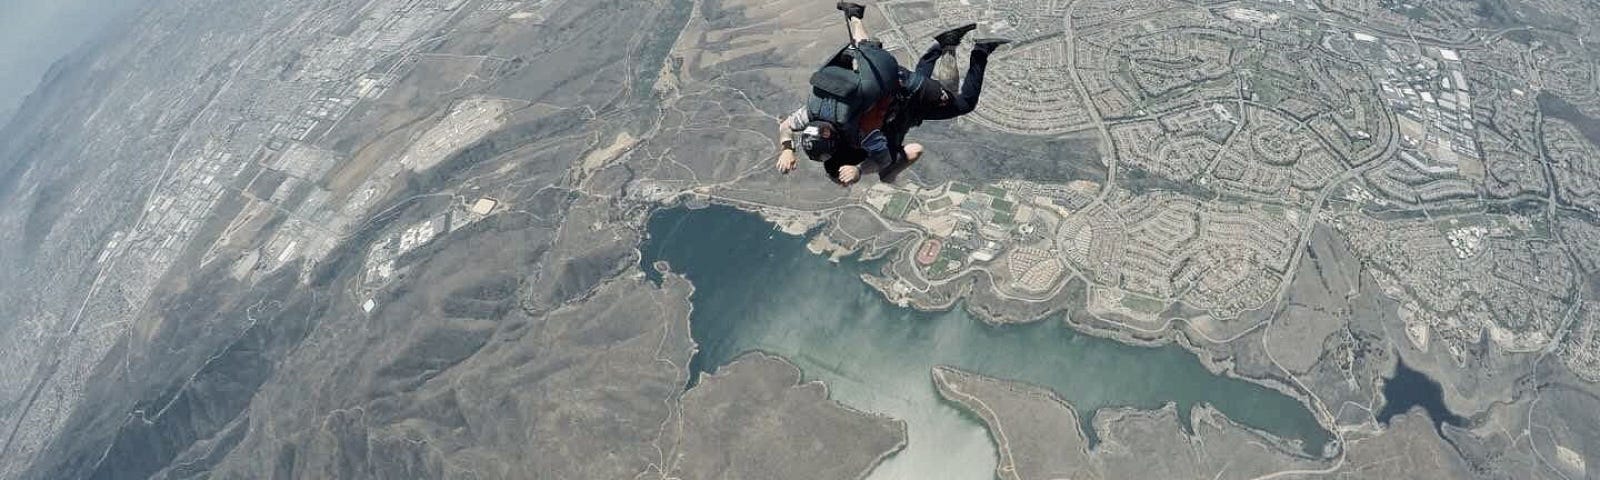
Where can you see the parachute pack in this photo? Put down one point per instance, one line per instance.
(844, 90)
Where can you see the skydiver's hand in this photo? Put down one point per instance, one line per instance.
(786, 161)
(848, 175)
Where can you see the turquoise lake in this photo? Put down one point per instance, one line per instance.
(757, 288)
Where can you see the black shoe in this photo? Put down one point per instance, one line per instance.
(952, 37)
(852, 9)
(987, 45)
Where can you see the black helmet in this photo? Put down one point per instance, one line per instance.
(817, 140)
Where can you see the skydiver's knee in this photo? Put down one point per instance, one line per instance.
(966, 105)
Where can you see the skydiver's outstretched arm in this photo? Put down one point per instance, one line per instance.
(786, 127)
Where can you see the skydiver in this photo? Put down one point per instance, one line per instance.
(845, 125)
(941, 99)
(929, 90)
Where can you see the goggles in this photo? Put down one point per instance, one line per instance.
(817, 142)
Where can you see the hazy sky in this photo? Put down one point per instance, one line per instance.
(35, 33)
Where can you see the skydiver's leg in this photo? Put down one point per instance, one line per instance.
(948, 67)
(858, 30)
(852, 18)
(939, 63)
(946, 43)
(929, 58)
(972, 85)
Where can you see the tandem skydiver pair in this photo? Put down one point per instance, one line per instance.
(863, 103)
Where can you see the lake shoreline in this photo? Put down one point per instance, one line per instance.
(948, 337)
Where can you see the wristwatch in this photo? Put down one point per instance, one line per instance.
(786, 144)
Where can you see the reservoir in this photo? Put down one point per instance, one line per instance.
(1409, 389)
(757, 288)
